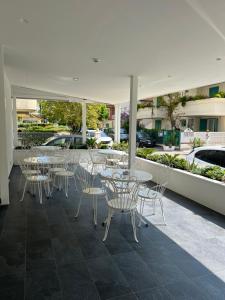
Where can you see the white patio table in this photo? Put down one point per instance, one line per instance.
(127, 174)
(45, 160)
(111, 152)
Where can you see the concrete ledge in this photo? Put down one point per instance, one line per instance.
(205, 191)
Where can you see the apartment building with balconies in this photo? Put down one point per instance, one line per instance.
(205, 114)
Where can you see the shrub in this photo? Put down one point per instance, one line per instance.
(91, 143)
(123, 146)
(213, 172)
(197, 142)
(144, 152)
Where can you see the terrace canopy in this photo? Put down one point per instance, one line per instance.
(105, 50)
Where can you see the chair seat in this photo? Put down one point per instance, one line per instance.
(148, 193)
(38, 178)
(94, 191)
(65, 173)
(119, 204)
(31, 172)
(122, 164)
(57, 169)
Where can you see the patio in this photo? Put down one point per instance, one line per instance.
(46, 254)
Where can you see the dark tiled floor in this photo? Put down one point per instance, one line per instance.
(46, 254)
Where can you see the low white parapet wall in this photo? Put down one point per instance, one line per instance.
(19, 155)
(205, 191)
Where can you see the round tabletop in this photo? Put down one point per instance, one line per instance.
(45, 160)
(127, 174)
(46, 148)
(111, 152)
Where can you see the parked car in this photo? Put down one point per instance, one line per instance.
(101, 137)
(65, 141)
(208, 156)
(143, 140)
(124, 136)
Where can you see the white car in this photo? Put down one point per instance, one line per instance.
(101, 137)
(208, 156)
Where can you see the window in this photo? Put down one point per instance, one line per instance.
(158, 124)
(183, 122)
(158, 101)
(60, 141)
(213, 91)
(191, 124)
(215, 157)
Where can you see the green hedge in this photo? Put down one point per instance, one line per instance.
(214, 172)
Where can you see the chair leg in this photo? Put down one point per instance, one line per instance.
(75, 183)
(163, 216)
(24, 189)
(66, 186)
(95, 206)
(40, 191)
(78, 208)
(134, 225)
(140, 215)
(110, 213)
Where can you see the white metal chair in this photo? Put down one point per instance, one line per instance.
(123, 162)
(98, 162)
(121, 200)
(151, 195)
(85, 179)
(37, 180)
(67, 173)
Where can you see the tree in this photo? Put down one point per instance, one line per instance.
(70, 113)
(62, 113)
(170, 103)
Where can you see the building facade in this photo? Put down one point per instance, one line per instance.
(27, 111)
(205, 114)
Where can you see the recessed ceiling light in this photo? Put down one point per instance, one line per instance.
(96, 60)
(218, 58)
(75, 78)
(24, 21)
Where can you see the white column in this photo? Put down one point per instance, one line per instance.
(117, 123)
(4, 183)
(133, 119)
(15, 133)
(84, 122)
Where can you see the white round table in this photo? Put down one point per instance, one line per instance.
(127, 174)
(44, 160)
(111, 152)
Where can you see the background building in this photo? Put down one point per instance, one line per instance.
(205, 114)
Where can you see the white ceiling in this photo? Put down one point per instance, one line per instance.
(170, 44)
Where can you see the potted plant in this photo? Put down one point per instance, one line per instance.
(91, 143)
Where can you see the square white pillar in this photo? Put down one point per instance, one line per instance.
(133, 119)
(4, 183)
(117, 123)
(84, 123)
(15, 132)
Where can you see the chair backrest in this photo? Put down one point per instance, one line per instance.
(84, 176)
(122, 190)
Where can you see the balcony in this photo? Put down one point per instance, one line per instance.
(205, 107)
(151, 113)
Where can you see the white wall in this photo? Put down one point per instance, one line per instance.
(6, 132)
(9, 123)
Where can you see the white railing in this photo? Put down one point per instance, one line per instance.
(209, 138)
